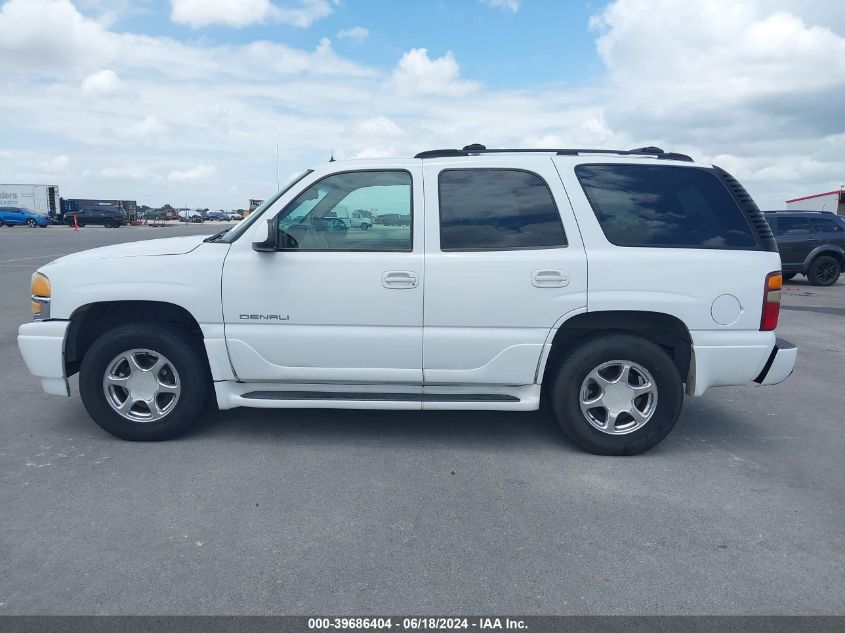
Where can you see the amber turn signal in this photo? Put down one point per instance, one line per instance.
(40, 286)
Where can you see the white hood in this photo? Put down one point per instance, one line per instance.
(165, 246)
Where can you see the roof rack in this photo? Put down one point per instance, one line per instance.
(477, 148)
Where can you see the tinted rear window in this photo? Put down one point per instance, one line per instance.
(792, 226)
(497, 209)
(651, 205)
(828, 225)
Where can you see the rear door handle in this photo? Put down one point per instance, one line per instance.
(397, 279)
(550, 278)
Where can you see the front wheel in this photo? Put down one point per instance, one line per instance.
(617, 394)
(144, 381)
(824, 271)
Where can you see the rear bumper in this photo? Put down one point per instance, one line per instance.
(780, 363)
(42, 345)
(734, 358)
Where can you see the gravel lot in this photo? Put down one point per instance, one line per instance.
(739, 511)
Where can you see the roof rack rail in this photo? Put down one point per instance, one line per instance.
(477, 148)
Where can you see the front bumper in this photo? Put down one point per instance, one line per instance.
(780, 364)
(42, 345)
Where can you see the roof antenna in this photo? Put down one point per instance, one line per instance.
(331, 158)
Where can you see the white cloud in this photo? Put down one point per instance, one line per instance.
(56, 165)
(200, 172)
(376, 152)
(125, 173)
(380, 126)
(507, 5)
(417, 72)
(142, 131)
(756, 88)
(240, 13)
(49, 34)
(356, 33)
(101, 83)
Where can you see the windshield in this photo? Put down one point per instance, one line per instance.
(234, 233)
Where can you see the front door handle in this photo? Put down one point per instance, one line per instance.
(550, 278)
(398, 279)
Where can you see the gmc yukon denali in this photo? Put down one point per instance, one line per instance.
(606, 283)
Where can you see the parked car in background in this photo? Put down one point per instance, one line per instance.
(109, 217)
(14, 216)
(811, 243)
(218, 216)
(236, 216)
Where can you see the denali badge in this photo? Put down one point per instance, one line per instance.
(266, 317)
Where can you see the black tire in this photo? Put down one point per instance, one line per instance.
(365, 227)
(788, 276)
(185, 354)
(30, 223)
(824, 271)
(572, 371)
(108, 224)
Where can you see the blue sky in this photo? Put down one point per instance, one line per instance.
(543, 41)
(184, 101)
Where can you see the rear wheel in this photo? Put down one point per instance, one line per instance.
(144, 381)
(31, 223)
(824, 271)
(617, 394)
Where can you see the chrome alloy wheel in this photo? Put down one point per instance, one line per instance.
(141, 385)
(618, 397)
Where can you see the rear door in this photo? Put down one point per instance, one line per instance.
(795, 239)
(830, 230)
(504, 262)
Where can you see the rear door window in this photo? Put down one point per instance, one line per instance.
(792, 226)
(656, 206)
(827, 225)
(497, 209)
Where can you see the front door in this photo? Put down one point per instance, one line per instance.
(504, 263)
(335, 303)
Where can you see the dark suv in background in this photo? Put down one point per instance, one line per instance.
(109, 217)
(811, 243)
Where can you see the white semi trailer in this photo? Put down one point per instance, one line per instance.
(43, 199)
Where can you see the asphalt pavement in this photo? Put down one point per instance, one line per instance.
(739, 511)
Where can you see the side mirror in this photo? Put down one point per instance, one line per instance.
(270, 241)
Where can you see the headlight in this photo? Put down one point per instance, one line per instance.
(41, 294)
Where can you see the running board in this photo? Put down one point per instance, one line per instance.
(381, 397)
(231, 394)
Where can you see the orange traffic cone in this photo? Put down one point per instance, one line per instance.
(75, 222)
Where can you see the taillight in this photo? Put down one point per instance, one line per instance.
(771, 302)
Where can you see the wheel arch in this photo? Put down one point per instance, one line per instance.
(90, 320)
(831, 250)
(666, 330)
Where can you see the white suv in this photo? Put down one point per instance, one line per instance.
(607, 283)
